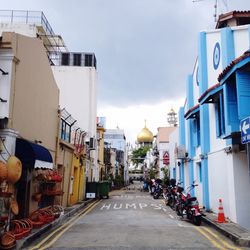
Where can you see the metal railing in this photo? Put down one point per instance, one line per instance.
(27, 17)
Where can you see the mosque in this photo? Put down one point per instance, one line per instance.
(145, 137)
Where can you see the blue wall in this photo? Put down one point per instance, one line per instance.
(204, 117)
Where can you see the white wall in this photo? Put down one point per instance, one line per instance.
(173, 142)
(242, 188)
(212, 38)
(215, 143)
(21, 28)
(6, 58)
(162, 147)
(78, 94)
(219, 186)
(241, 39)
(195, 86)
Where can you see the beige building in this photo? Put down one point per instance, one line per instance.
(100, 149)
(29, 109)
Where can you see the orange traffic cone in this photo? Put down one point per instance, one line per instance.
(221, 216)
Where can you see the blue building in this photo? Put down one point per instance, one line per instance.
(209, 148)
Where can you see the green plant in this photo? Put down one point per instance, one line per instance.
(139, 155)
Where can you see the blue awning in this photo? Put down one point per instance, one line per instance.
(33, 155)
(233, 66)
(193, 112)
(209, 95)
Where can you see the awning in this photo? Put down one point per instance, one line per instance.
(233, 66)
(209, 95)
(193, 112)
(33, 155)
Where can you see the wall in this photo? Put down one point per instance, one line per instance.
(34, 113)
(21, 28)
(242, 187)
(173, 142)
(241, 39)
(78, 84)
(65, 158)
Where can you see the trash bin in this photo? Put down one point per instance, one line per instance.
(103, 189)
(91, 190)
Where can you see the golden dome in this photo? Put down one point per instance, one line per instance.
(145, 135)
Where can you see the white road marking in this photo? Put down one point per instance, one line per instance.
(130, 205)
(105, 206)
(171, 216)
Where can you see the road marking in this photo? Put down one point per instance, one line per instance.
(65, 227)
(216, 244)
(171, 216)
(220, 239)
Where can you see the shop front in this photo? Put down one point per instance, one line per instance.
(39, 183)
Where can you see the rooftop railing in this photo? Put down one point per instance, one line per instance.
(27, 17)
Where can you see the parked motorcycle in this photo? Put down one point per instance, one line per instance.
(188, 205)
(170, 193)
(158, 190)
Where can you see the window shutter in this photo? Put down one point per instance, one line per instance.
(243, 93)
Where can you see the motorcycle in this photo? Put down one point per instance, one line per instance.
(188, 205)
(158, 191)
(170, 193)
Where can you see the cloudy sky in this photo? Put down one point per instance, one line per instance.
(144, 48)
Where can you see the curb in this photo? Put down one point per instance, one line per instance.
(21, 244)
(237, 239)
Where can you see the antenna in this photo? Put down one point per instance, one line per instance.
(215, 7)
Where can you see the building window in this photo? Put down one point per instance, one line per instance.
(65, 131)
(65, 59)
(219, 113)
(77, 58)
(199, 168)
(88, 60)
(196, 131)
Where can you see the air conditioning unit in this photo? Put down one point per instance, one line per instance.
(92, 143)
(180, 152)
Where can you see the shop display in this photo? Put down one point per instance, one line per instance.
(46, 184)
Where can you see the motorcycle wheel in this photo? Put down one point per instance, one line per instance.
(197, 220)
(156, 196)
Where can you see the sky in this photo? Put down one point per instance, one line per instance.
(145, 50)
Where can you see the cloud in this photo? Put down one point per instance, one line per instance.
(131, 118)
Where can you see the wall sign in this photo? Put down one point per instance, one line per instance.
(216, 56)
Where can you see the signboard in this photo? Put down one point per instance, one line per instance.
(90, 195)
(166, 158)
(245, 130)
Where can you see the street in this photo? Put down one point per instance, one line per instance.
(132, 219)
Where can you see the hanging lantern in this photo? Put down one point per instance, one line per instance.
(14, 167)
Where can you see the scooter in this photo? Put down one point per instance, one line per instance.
(189, 206)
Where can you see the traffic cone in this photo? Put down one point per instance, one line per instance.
(221, 216)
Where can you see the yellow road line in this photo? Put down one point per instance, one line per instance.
(221, 240)
(216, 244)
(69, 226)
(59, 228)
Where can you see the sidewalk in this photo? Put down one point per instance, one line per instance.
(235, 232)
(69, 211)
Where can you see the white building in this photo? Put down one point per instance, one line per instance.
(218, 98)
(76, 76)
(162, 144)
(117, 140)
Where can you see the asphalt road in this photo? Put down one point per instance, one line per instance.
(131, 219)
